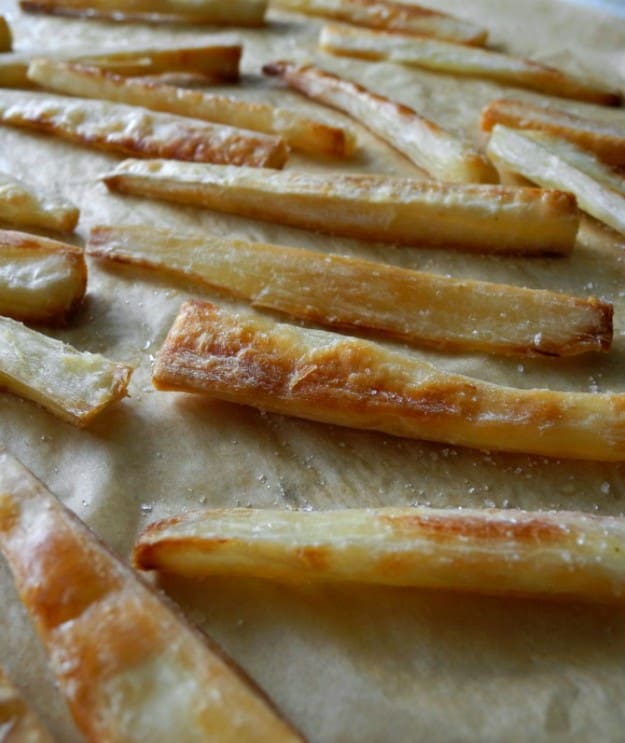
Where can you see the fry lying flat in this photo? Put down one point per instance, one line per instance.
(455, 59)
(426, 144)
(18, 723)
(128, 664)
(346, 381)
(135, 131)
(555, 554)
(73, 385)
(22, 206)
(350, 293)
(479, 218)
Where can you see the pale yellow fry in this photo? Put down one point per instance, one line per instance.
(73, 385)
(556, 163)
(426, 144)
(128, 664)
(456, 59)
(479, 218)
(136, 131)
(391, 16)
(18, 722)
(41, 280)
(299, 132)
(23, 206)
(351, 293)
(6, 39)
(323, 376)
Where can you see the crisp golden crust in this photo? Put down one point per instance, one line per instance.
(6, 39)
(350, 293)
(128, 664)
(479, 218)
(422, 141)
(23, 206)
(347, 381)
(18, 722)
(544, 554)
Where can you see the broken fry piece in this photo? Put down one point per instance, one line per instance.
(556, 163)
(351, 293)
(426, 144)
(73, 385)
(480, 218)
(128, 664)
(41, 281)
(323, 376)
(132, 130)
(456, 59)
(555, 554)
(22, 206)
(6, 40)
(390, 16)
(92, 82)
(18, 722)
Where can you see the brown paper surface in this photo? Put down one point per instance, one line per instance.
(344, 663)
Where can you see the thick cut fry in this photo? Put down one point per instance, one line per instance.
(18, 723)
(22, 206)
(129, 665)
(489, 219)
(136, 131)
(606, 139)
(441, 56)
(391, 16)
(557, 554)
(350, 293)
(423, 142)
(556, 163)
(40, 280)
(326, 377)
(91, 82)
(230, 13)
(73, 385)
(6, 40)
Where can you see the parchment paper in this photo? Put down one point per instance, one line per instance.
(344, 663)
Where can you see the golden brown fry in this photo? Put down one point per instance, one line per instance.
(456, 59)
(477, 218)
(299, 132)
(18, 723)
(422, 141)
(606, 139)
(322, 376)
(351, 293)
(128, 664)
(73, 385)
(391, 16)
(41, 280)
(22, 206)
(136, 131)
(6, 40)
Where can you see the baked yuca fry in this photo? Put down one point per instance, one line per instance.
(127, 662)
(22, 206)
(489, 219)
(555, 554)
(18, 723)
(456, 59)
(391, 16)
(299, 132)
(41, 280)
(6, 40)
(136, 131)
(553, 162)
(346, 381)
(73, 385)
(351, 293)
(426, 144)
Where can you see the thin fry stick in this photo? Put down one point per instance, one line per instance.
(6, 39)
(19, 724)
(22, 206)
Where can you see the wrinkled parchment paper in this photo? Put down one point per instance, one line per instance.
(344, 663)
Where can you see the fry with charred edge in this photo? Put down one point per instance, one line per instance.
(606, 139)
(231, 13)
(556, 163)
(391, 16)
(136, 131)
(73, 385)
(6, 40)
(479, 218)
(299, 132)
(555, 554)
(350, 293)
(455, 59)
(129, 665)
(22, 206)
(323, 376)
(19, 724)
(426, 144)
(41, 280)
